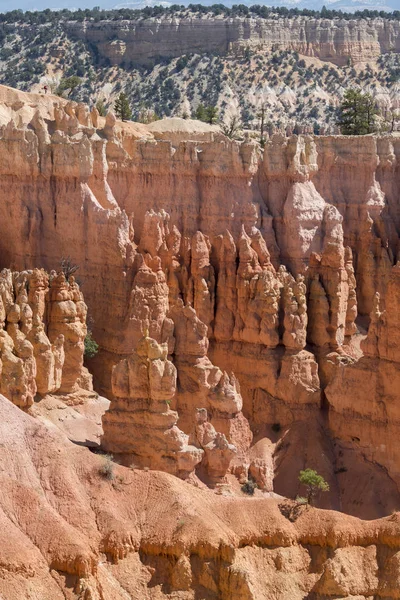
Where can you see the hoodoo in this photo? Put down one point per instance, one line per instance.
(245, 301)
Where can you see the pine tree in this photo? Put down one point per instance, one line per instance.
(211, 114)
(200, 113)
(357, 113)
(313, 483)
(208, 114)
(122, 108)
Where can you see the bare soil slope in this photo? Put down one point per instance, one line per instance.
(68, 532)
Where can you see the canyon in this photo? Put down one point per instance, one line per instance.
(246, 305)
(293, 70)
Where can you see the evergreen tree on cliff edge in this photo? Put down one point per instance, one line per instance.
(357, 113)
(122, 108)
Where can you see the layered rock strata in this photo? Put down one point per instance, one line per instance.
(42, 332)
(254, 271)
(143, 386)
(146, 40)
(69, 532)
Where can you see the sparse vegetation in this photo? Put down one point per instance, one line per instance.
(101, 108)
(68, 267)
(301, 96)
(96, 14)
(262, 116)
(301, 500)
(91, 346)
(314, 484)
(232, 127)
(68, 85)
(147, 115)
(208, 114)
(249, 487)
(106, 470)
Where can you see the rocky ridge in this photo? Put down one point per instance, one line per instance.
(294, 71)
(147, 39)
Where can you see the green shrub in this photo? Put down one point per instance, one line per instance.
(301, 500)
(208, 114)
(101, 108)
(249, 487)
(91, 347)
(68, 84)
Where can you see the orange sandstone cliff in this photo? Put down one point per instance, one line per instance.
(246, 307)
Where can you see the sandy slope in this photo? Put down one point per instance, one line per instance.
(66, 529)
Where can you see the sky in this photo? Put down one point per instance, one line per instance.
(345, 5)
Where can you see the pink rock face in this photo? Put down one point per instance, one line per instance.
(148, 303)
(143, 387)
(67, 317)
(140, 426)
(42, 335)
(218, 452)
(303, 217)
(256, 271)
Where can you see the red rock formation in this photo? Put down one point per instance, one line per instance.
(205, 244)
(140, 427)
(42, 335)
(140, 424)
(68, 530)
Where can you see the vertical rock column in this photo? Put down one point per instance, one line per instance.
(36, 358)
(204, 387)
(66, 312)
(140, 426)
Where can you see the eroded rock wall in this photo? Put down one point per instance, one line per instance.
(145, 40)
(252, 276)
(42, 333)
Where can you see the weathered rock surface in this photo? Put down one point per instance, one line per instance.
(42, 332)
(252, 276)
(252, 270)
(147, 39)
(140, 423)
(69, 531)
